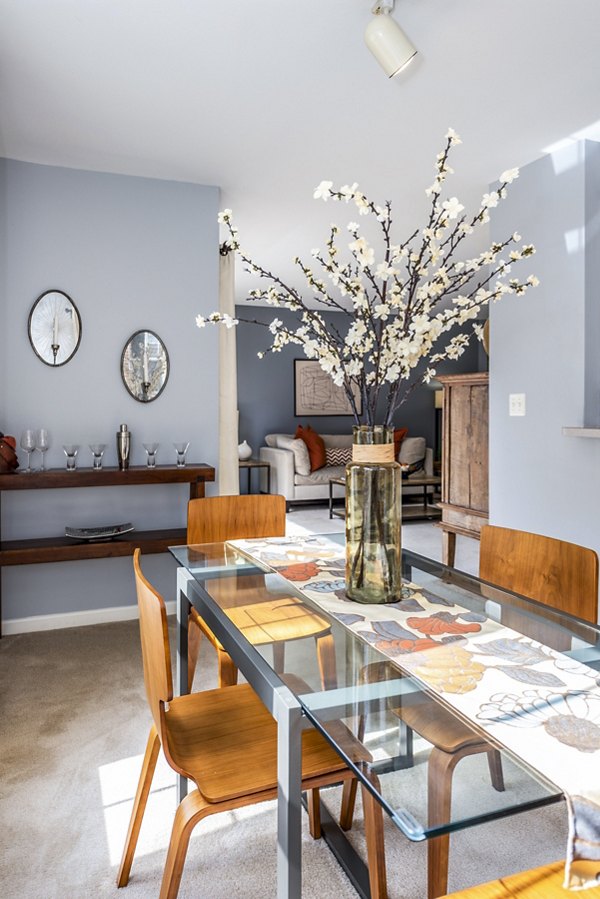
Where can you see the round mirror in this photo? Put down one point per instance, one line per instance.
(144, 366)
(54, 327)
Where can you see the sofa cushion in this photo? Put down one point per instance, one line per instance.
(338, 455)
(315, 444)
(412, 450)
(320, 477)
(337, 439)
(399, 435)
(299, 449)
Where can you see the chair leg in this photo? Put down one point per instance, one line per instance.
(314, 814)
(228, 673)
(348, 803)
(139, 806)
(189, 812)
(439, 789)
(495, 766)
(326, 660)
(194, 639)
(375, 845)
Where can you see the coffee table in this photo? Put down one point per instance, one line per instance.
(410, 512)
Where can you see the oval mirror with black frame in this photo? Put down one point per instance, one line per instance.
(145, 366)
(54, 328)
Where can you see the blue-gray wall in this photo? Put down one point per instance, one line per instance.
(541, 480)
(132, 253)
(266, 386)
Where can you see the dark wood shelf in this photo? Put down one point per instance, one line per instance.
(106, 477)
(36, 550)
(65, 549)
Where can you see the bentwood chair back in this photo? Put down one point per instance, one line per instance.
(225, 741)
(218, 518)
(558, 574)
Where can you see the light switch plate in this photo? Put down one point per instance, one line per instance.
(516, 404)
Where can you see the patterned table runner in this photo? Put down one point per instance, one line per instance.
(537, 702)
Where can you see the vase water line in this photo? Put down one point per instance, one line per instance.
(373, 518)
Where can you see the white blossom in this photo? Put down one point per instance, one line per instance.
(323, 191)
(509, 176)
(452, 207)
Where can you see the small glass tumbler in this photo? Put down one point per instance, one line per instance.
(151, 454)
(71, 452)
(97, 452)
(181, 449)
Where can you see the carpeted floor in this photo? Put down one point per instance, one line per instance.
(74, 726)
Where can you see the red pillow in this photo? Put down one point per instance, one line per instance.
(399, 435)
(314, 444)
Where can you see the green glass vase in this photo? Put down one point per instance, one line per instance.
(373, 517)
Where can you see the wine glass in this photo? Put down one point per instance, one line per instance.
(181, 449)
(97, 451)
(42, 443)
(151, 453)
(27, 443)
(71, 452)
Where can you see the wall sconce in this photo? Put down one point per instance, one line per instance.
(386, 40)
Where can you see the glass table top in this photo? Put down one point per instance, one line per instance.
(389, 728)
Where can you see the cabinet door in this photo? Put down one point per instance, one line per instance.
(478, 448)
(465, 437)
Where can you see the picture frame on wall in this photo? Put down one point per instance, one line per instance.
(316, 394)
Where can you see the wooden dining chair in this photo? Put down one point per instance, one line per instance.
(545, 882)
(218, 518)
(558, 574)
(225, 741)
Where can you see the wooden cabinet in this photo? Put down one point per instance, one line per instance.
(464, 502)
(63, 549)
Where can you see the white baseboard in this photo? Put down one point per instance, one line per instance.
(73, 619)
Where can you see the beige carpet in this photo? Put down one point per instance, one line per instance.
(74, 725)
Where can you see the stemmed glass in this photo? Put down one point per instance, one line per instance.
(151, 453)
(97, 451)
(181, 449)
(70, 452)
(42, 443)
(27, 443)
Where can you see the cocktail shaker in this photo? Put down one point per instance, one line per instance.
(123, 446)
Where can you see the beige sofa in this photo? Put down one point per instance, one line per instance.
(292, 478)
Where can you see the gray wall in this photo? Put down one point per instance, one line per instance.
(266, 387)
(541, 480)
(132, 253)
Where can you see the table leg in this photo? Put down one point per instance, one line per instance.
(330, 500)
(289, 784)
(181, 687)
(448, 548)
(269, 477)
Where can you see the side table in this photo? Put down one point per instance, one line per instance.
(249, 464)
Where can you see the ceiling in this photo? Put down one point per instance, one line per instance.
(266, 98)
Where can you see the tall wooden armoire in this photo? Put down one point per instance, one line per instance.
(464, 502)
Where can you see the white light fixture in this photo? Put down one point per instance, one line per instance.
(386, 40)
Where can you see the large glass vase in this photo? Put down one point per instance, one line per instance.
(373, 517)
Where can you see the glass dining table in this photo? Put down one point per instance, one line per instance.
(351, 686)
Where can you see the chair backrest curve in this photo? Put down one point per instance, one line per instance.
(559, 574)
(154, 636)
(213, 519)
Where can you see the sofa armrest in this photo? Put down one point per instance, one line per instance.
(282, 470)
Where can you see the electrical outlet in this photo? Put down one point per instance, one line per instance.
(516, 404)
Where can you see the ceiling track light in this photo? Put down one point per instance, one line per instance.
(386, 40)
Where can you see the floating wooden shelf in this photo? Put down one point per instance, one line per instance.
(581, 432)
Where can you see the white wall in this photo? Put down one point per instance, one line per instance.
(541, 480)
(132, 253)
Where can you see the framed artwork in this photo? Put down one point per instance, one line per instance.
(316, 394)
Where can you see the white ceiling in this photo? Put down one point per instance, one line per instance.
(266, 98)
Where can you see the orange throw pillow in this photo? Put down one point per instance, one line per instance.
(315, 445)
(399, 435)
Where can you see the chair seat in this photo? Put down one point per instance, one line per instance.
(436, 725)
(539, 883)
(278, 620)
(211, 731)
